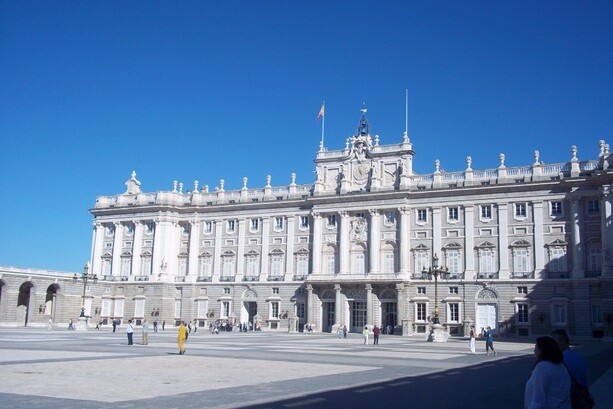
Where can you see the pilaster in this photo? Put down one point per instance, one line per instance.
(503, 241)
(316, 243)
(374, 241)
(344, 242)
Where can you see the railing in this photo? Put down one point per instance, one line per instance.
(141, 278)
(276, 278)
(251, 278)
(558, 274)
(300, 277)
(226, 278)
(179, 279)
(487, 275)
(522, 275)
(204, 279)
(593, 274)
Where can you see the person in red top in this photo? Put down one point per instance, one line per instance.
(376, 331)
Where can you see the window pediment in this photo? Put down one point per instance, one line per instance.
(557, 243)
(485, 245)
(421, 247)
(521, 243)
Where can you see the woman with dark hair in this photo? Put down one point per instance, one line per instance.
(549, 384)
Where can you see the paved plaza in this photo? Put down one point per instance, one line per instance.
(96, 369)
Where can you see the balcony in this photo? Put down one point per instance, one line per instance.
(251, 278)
(141, 278)
(558, 274)
(204, 279)
(275, 278)
(524, 274)
(179, 279)
(123, 278)
(299, 278)
(593, 274)
(226, 278)
(487, 275)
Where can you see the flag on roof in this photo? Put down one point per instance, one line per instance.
(321, 111)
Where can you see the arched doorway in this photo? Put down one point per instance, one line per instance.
(50, 301)
(23, 302)
(2, 289)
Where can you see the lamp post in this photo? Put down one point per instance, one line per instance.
(85, 277)
(437, 334)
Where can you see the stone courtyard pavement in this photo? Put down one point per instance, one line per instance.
(96, 369)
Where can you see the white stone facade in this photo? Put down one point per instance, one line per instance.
(527, 248)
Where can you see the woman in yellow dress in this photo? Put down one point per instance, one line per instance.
(182, 337)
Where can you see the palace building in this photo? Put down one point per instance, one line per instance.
(521, 249)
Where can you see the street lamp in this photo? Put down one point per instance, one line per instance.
(435, 271)
(85, 277)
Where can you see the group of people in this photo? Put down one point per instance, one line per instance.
(487, 334)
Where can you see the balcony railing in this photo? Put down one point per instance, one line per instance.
(204, 279)
(141, 278)
(593, 274)
(487, 275)
(299, 277)
(251, 278)
(522, 275)
(226, 278)
(275, 278)
(179, 279)
(558, 274)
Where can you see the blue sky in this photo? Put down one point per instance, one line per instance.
(90, 91)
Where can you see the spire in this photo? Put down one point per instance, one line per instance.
(363, 127)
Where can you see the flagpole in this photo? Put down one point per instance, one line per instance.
(406, 115)
(323, 122)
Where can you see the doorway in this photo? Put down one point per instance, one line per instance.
(358, 316)
(248, 311)
(23, 302)
(328, 316)
(389, 316)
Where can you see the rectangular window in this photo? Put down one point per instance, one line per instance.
(278, 223)
(454, 312)
(522, 290)
(422, 216)
(421, 290)
(254, 224)
(228, 267)
(331, 220)
(557, 263)
(453, 262)
(230, 225)
(520, 210)
(453, 290)
(182, 267)
(252, 266)
(304, 222)
(597, 318)
(420, 312)
(594, 260)
(556, 208)
(486, 212)
(559, 314)
(274, 309)
(139, 308)
(300, 310)
(422, 260)
(149, 228)
(126, 266)
(118, 308)
(521, 261)
(390, 218)
(226, 290)
(276, 265)
(275, 290)
(388, 263)
(593, 207)
(206, 266)
(208, 227)
(106, 308)
(522, 313)
(201, 309)
(302, 265)
(452, 214)
(486, 261)
(225, 309)
(330, 264)
(127, 244)
(358, 263)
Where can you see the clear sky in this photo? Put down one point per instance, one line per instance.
(211, 90)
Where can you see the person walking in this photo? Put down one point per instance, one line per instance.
(344, 331)
(195, 326)
(375, 332)
(130, 332)
(114, 324)
(155, 326)
(181, 337)
(366, 332)
(49, 324)
(163, 325)
(471, 342)
(573, 361)
(549, 383)
(145, 331)
(339, 332)
(489, 341)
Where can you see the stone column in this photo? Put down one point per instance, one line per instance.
(137, 247)
(240, 250)
(194, 245)
(469, 234)
(369, 305)
(218, 246)
(338, 311)
(265, 247)
(97, 248)
(503, 240)
(404, 248)
(436, 234)
(577, 245)
(374, 242)
(316, 243)
(606, 205)
(539, 240)
(343, 242)
(289, 253)
(161, 251)
(117, 242)
(310, 305)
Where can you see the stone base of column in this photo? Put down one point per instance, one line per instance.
(438, 334)
(81, 325)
